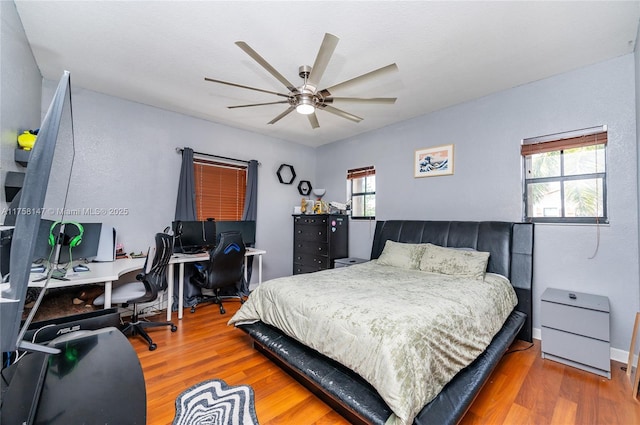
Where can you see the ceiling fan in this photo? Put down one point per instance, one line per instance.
(307, 98)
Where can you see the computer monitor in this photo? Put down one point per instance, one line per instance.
(246, 227)
(86, 250)
(46, 186)
(194, 236)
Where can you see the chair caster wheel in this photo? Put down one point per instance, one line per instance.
(223, 311)
(152, 347)
(193, 309)
(174, 328)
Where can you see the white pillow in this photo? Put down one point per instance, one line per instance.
(402, 255)
(454, 262)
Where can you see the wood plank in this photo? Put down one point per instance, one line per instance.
(564, 412)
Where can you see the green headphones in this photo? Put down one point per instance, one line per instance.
(75, 240)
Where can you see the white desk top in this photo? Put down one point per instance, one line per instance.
(188, 258)
(111, 270)
(98, 273)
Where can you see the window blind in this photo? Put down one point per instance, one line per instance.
(569, 141)
(357, 173)
(220, 190)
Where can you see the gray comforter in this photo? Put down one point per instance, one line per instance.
(406, 332)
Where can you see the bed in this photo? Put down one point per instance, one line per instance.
(330, 356)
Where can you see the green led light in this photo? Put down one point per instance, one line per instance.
(71, 354)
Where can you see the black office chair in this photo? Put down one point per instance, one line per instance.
(223, 271)
(148, 284)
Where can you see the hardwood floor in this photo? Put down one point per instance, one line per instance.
(524, 388)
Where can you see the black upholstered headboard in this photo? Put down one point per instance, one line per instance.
(510, 245)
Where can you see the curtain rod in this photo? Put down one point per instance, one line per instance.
(179, 150)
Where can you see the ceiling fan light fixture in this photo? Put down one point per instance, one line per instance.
(305, 106)
(305, 99)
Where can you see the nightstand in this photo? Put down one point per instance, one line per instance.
(350, 261)
(575, 330)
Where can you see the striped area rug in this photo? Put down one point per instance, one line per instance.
(213, 402)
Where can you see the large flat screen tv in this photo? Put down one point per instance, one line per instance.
(43, 195)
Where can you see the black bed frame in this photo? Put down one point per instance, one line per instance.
(511, 248)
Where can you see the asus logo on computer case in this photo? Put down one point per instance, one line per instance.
(63, 331)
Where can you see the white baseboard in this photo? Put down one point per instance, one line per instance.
(618, 355)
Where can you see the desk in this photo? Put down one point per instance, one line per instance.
(105, 273)
(185, 258)
(109, 271)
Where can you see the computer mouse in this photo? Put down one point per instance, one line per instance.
(80, 268)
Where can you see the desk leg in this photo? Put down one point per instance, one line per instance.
(259, 269)
(169, 291)
(107, 294)
(246, 264)
(181, 291)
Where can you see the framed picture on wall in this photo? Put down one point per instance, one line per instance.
(434, 161)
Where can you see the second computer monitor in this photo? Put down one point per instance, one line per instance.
(246, 227)
(194, 236)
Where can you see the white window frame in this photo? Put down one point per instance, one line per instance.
(558, 143)
(353, 175)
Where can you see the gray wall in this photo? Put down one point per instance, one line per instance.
(126, 158)
(486, 184)
(20, 88)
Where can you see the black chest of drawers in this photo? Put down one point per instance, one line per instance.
(318, 240)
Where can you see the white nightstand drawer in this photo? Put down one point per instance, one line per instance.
(582, 321)
(580, 349)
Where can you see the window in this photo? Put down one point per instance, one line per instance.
(565, 178)
(220, 189)
(361, 189)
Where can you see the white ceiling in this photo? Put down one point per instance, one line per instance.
(158, 52)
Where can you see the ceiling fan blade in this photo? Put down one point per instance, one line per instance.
(371, 100)
(357, 80)
(244, 87)
(341, 113)
(327, 47)
(313, 120)
(282, 115)
(248, 50)
(257, 104)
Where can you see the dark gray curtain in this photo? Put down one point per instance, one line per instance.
(251, 197)
(250, 209)
(186, 211)
(186, 202)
